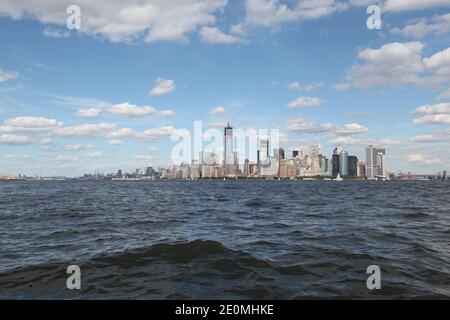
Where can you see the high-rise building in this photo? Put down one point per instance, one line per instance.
(263, 150)
(335, 164)
(373, 168)
(444, 175)
(343, 163)
(361, 169)
(228, 155)
(353, 166)
(381, 162)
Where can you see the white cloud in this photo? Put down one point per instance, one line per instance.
(433, 109)
(304, 126)
(352, 128)
(151, 20)
(17, 157)
(85, 130)
(270, 13)
(155, 134)
(341, 86)
(96, 154)
(218, 111)
(63, 158)
(121, 133)
(440, 136)
(166, 113)
(422, 159)
(13, 139)
(5, 75)
(439, 63)
(348, 140)
(434, 119)
(163, 87)
(90, 113)
(407, 5)
(116, 142)
(46, 142)
(436, 25)
(30, 124)
(302, 102)
(394, 64)
(216, 36)
(142, 157)
(128, 110)
(55, 33)
(74, 147)
(307, 87)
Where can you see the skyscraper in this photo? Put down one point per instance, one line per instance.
(263, 149)
(352, 166)
(343, 163)
(373, 167)
(228, 156)
(335, 165)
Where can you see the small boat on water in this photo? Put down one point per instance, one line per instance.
(338, 178)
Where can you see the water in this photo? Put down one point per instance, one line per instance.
(224, 239)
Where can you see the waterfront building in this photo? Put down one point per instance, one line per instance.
(361, 169)
(263, 150)
(373, 167)
(353, 166)
(229, 156)
(381, 162)
(444, 175)
(343, 163)
(335, 164)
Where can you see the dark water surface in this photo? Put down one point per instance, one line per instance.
(224, 239)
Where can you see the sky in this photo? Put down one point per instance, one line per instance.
(111, 94)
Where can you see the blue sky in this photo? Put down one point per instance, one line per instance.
(111, 94)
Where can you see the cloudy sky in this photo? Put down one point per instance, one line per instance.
(111, 94)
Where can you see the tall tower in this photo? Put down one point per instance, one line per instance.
(343, 163)
(373, 159)
(228, 155)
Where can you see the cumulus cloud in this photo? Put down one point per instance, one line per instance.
(74, 147)
(149, 20)
(409, 5)
(218, 111)
(304, 126)
(433, 109)
(307, 87)
(302, 102)
(434, 119)
(90, 113)
(439, 136)
(142, 157)
(5, 75)
(30, 124)
(96, 154)
(422, 159)
(17, 157)
(64, 158)
(116, 142)
(166, 113)
(436, 25)
(128, 110)
(216, 36)
(85, 130)
(163, 87)
(270, 13)
(398, 64)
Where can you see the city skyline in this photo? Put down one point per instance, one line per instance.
(112, 94)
